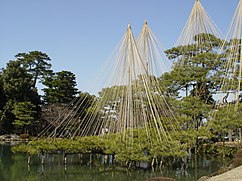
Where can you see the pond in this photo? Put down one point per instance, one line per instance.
(14, 167)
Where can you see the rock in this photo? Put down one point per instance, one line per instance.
(204, 178)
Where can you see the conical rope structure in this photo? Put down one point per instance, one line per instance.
(199, 22)
(196, 37)
(231, 81)
(130, 93)
(131, 109)
(131, 118)
(152, 52)
(196, 51)
(227, 116)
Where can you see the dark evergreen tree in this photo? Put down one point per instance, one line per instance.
(61, 87)
(25, 115)
(2, 104)
(17, 82)
(197, 69)
(2, 95)
(36, 63)
(17, 87)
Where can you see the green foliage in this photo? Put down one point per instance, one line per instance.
(191, 113)
(193, 107)
(2, 95)
(17, 83)
(25, 114)
(130, 154)
(7, 117)
(61, 87)
(168, 149)
(226, 118)
(219, 150)
(17, 87)
(25, 149)
(87, 104)
(197, 68)
(127, 150)
(198, 77)
(36, 63)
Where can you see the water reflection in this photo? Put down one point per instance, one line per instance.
(81, 167)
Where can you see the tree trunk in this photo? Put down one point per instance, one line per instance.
(186, 90)
(223, 148)
(230, 135)
(240, 135)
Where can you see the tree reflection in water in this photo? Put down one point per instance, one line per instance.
(15, 167)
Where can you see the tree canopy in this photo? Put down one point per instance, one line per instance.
(36, 63)
(61, 87)
(21, 108)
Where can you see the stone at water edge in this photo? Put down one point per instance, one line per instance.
(204, 178)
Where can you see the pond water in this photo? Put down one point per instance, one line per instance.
(14, 167)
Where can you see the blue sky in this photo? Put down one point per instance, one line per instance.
(79, 35)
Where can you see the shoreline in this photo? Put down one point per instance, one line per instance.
(227, 173)
(234, 174)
